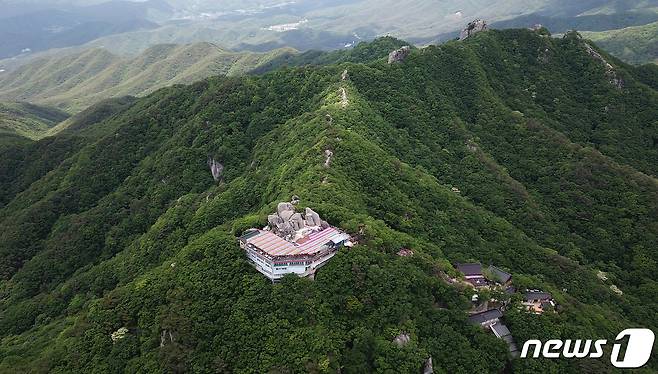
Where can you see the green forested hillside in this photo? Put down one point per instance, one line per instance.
(636, 45)
(552, 151)
(27, 120)
(74, 82)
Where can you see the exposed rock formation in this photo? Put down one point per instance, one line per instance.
(610, 72)
(344, 76)
(294, 200)
(402, 339)
(472, 28)
(164, 334)
(327, 157)
(399, 54)
(405, 252)
(289, 224)
(616, 290)
(119, 334)
(428, 368)
(312, 218)
(343, 97)
(216, 168)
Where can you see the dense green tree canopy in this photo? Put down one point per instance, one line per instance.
(509, 148)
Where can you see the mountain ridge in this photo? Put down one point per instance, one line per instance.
(73, 82)
(130, 229)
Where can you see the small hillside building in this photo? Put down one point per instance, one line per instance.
(473, 273)
(538, 301)
(486, 318)
(279, 249)
(499, 276)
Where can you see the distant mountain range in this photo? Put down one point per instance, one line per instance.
(29, 28)
(74, 82)
(636, 45)
(125, 27)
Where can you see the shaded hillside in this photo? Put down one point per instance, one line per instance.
(28, 120)
(635, 45)
(73, 82)
(509, 148)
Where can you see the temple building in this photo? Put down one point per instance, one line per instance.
(292, 243)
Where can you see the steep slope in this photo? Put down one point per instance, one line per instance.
(73, 82)
(635, 45)
(542, 144)
(28, 120)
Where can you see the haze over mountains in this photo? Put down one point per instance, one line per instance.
(126, 27)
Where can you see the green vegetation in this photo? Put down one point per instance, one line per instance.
(635, 45)
(556, 168)
(27, 120)
(74, 82)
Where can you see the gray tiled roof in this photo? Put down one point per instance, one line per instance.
(482, 317)
(499, 275)
(470, 269)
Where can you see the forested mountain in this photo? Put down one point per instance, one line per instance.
(74, 82)
(637, 45)
(536, 154)
(27, 120)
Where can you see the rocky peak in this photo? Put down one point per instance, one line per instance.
(399, 54)
(472, 28)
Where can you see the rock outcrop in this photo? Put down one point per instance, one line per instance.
(343, 98)
(289, 224)
(327, 157)
(216, 168)
(399, 54)
(402, 339)
(473, 28)
(428, 368)
(610, 72)
(119, 334)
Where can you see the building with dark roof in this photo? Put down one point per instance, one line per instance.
(499, 276)
(473, 273)
(537, 296)
(538, 301)
(486, 318)
(502, 332)
(470, 270)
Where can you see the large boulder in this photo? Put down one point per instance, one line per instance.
(296, 221)
(312, 218)
(282, 207)
(273, 220)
